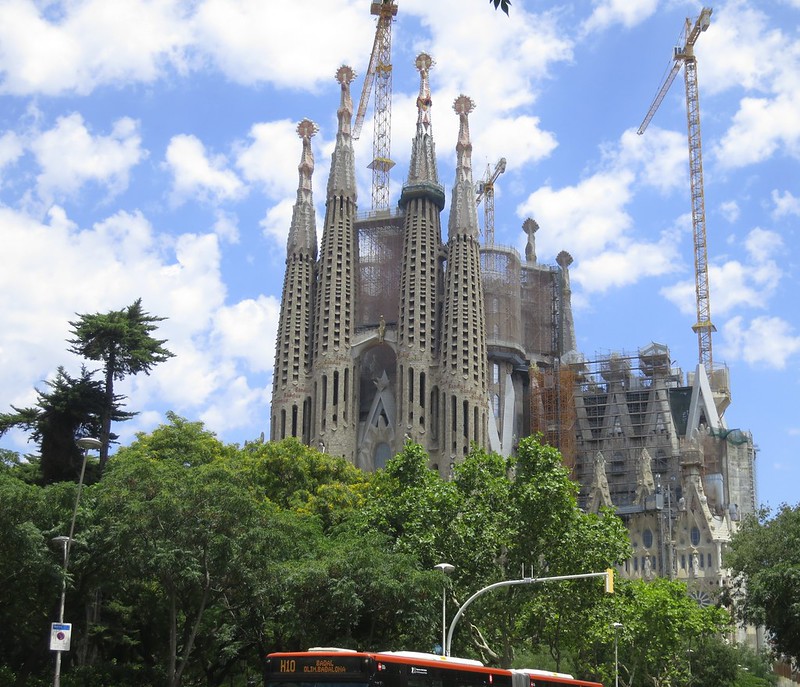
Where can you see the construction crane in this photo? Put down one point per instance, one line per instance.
(484, 189)
(684, 55)
(380, 68)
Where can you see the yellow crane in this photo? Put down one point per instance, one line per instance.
(484, 190)
(683, 55)
(380, 68)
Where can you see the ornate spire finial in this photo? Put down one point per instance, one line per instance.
(302, 232)
(530, 227)
(463, 215)
(345, 76)
(463, 105)
(342, 179)
(422, 170)
(305, 130)
(423, 63)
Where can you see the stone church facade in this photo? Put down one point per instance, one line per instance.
(389, 332)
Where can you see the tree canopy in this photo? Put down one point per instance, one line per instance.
(765, 555)
(193, 559)
(71, 407)
(123, 341)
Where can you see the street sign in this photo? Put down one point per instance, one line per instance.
(60, 636)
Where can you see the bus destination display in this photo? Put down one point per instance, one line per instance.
(323, 665)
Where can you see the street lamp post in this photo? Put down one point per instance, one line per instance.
(617, 627)
(87, 444)
(446, 569)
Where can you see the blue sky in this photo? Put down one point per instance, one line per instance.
(148, 149)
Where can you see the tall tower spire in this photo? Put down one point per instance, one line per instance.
(334, 321)
(463, 331)
(342, 180)
(422, 166)
(291, 393)
(422, 201)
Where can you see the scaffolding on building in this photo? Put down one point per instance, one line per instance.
(553, 409)
(380, 252)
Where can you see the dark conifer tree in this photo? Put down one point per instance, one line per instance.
(122, 340)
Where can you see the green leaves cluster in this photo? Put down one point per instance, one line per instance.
(194, 559)
(75, 407)
(499, 519)
(765, 554)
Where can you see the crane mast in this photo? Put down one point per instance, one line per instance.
(485, 191)
(684, 56)
(379, 72)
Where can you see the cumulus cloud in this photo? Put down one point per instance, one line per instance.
(766, 341)
(735, 284)
(730, 210)
(247, 329)
(786, 204)
(196, 174)
(107, 266)
(270, 157)
(82, 45)
(70, 156)
(628, 13)
(11, 149)
(248, 41)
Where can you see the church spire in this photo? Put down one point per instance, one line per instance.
(342, 180)
(463, 214)
(303, 230)
(422, 167)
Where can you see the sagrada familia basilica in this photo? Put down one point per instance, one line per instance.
(389, 333)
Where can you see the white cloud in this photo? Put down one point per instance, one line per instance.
(660, 155)
(730, 210)
(607, 13)
(761, 127)
(626, 266)
(226, 226)
(90, 43)
(248, 40)
(196, 174)
(731, 55)
(521, 137)
(69, 156)
(276, 222)
(768, 341)
(786, 204)
(271, 157)
(11, 149)
(240, 406)
(107, 267)
(588, 216)
(248, 329)
(735, 284)
(731, 52)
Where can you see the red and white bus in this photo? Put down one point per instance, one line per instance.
(330, 667)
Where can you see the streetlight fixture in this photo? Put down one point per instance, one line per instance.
(87, 444)
(446, 569)
(617, 627)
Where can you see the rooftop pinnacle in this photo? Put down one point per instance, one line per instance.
(342, 180)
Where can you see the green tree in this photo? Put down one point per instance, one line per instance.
(663, 628)
(123, 341)
(765, 556)
(497, 519)
(31, 571)
(71, 407)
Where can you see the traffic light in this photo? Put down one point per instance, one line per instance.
(609, 580)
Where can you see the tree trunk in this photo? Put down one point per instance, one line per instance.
(105, 431)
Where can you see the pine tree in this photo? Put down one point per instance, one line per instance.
(70, 409)
(122, 340)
